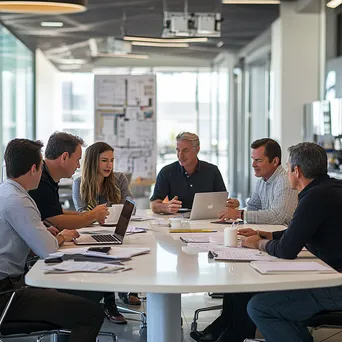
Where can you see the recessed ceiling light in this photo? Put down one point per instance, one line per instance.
(334, 3)
(44, 7)
(165, 45)
(51, 24)
(166, 40)
(251, 2)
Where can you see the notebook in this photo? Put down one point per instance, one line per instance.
(118, 235)
(208, 205)
(280, 267)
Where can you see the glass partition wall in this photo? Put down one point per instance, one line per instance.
(16, 89)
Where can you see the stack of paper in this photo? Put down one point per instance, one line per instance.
(71, 267)
(290, 266)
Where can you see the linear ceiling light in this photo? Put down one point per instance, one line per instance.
(334, 3)
(116, 55)
(166, 40)
(51, 24)
(165, 45)
(44, 7)
(251, 2)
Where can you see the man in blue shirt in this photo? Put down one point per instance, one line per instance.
(22, 230)
(180, 180)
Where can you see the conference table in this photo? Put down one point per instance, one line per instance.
(170, 270)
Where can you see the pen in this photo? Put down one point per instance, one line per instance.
(192, 231)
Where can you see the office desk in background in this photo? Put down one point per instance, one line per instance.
(167, 272)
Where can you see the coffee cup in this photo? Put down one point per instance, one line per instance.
(176, 222)
(114, 214)
(230, 237)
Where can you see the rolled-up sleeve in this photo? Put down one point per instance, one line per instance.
(282, 203)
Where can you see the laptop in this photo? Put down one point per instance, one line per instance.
(208, 205)
(118, 235)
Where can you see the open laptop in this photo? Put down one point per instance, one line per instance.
(208, 205)
(111, 239)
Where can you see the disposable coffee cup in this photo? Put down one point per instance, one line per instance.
(176, 222)
(230, 237)
(114, 214)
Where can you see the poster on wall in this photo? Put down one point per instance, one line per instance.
(125, 118)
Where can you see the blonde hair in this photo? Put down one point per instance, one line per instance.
(189, 136)
(89, 181)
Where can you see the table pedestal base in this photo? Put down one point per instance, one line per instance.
(163, 317)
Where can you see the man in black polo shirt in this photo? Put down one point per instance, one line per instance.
(62, 158)
(180, 181)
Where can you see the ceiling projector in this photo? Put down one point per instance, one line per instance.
(179, 24)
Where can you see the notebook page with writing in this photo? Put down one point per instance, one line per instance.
(242, 254)
(265, 267)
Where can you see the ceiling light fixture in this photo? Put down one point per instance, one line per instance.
(251, 2)
(43, 7)
(334, 3)
(166, 40)
(51, 24)
(128, 55)
(165, 45)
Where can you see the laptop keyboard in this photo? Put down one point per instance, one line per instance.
(105, 238)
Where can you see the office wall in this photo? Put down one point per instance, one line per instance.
(48, 98)
(295, 68)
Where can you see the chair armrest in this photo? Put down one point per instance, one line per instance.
(9, 302)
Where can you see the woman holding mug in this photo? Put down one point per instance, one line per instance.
(99, 184)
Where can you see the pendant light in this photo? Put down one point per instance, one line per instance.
(43, 7)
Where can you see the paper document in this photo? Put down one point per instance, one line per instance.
(141, 218)
(115, 252)
(135, 230)
(193, 237)
(242, 254)
(194, 248)
(290, 266)
(72, 266)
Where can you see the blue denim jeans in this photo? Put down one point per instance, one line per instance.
(280, 315)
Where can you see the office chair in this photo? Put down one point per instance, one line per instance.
(142, 314)
(325, 319)
(21, 329)
(209, 308)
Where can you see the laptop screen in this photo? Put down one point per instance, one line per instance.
(124, 218)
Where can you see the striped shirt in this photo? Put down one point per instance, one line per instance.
(21, 229)
(273, 201)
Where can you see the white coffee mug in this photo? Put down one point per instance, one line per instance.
(230, 237)
(176, 222)
(114, 214)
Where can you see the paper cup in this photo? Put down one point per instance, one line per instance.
(114, 214)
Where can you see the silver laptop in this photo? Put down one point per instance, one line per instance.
(208, 205)
(111, 239)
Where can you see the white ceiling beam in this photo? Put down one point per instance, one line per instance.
(309, 6)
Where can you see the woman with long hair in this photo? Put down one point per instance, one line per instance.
(99, 184)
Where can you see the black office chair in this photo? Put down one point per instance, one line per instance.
(209, 308)
(21, 329)
(325, 319)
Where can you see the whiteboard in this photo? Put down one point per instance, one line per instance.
(125, 118)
